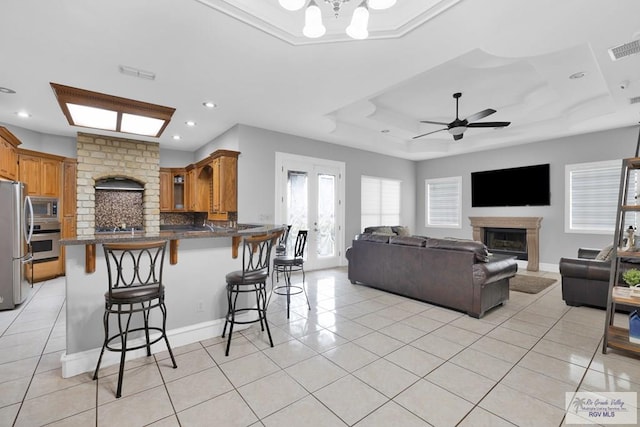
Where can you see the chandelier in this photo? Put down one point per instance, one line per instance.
(313, 26)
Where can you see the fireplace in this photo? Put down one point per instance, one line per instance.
(507, 241)
(530, 224)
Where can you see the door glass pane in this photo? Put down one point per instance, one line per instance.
(326, 215)
(297, 208)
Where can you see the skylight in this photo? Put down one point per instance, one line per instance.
(101, 111)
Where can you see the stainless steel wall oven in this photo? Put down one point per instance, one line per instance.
(45, 242)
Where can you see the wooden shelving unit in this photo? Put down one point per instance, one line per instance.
(617, 337)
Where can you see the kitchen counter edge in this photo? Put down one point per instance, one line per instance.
(242, 231)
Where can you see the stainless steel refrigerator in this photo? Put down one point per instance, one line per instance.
(16, 229)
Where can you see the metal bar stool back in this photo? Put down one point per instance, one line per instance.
(135, 286)
(281, 247)
(288, 264)
(252, 279)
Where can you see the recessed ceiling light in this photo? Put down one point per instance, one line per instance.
(190, 123)
(23, 114)
(176, 137)
(6, 90)
(578, 75)
(209, 104)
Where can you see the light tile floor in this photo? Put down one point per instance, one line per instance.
(359, 357)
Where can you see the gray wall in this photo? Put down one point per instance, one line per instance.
(554, 242)
(175, 158)
(53, 144)
(256, 175)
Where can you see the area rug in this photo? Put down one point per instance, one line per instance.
(529, 284)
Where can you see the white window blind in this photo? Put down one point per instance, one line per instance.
(380, 201)
(591, 195)
(443, 198)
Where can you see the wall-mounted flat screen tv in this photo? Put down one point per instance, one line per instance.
(522, 186)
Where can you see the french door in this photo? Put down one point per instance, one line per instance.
(309, 194)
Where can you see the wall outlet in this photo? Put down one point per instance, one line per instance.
(199, 307)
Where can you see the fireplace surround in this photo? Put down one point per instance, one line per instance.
(530, 224)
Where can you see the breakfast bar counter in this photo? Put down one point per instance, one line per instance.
(195, 288)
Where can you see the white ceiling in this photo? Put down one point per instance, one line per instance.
(249, 57)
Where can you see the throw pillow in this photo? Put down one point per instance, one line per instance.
(380, 230)
(605, 253)
(401, 230)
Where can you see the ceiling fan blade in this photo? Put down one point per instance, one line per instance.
(480, 115)
(488, 125)
(428, 133)
(458, 137)
(434, 123)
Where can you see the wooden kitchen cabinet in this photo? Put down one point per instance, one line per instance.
(172, 189)
(179, 190)
(41, 172)
(30, 173)
(196, 200)
(51, 170)
(69, 187)
(8, 154)
(69, 197)
(165, 190)
(210, 186)
(224, 183)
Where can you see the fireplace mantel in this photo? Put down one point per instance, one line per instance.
(530, 223)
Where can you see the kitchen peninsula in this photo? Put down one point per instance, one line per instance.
(195, 287)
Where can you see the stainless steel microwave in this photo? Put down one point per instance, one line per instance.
(45, 208)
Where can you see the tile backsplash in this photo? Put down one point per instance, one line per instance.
(118, 208)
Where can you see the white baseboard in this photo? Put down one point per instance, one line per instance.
(85, 361)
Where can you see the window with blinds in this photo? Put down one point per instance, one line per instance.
(380, 201)
(591, 197)
(443, 199)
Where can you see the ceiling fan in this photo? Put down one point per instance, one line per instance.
(458, 127)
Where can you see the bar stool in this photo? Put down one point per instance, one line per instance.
(135, 286)
(252, 279)
(281, 247)
(288, 264)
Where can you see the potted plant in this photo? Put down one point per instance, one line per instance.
(632, 278)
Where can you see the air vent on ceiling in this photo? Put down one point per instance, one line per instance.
(634, 100)
(624, 50)
(135, 72)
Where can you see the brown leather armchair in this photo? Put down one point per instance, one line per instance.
(585, 280)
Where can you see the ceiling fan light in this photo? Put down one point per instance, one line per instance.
(359, 23)
(381, 4)
(457, 130)
(313, 27)
(292, 4)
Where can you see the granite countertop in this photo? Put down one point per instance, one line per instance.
(174, 233)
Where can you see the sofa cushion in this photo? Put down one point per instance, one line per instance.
(477, 248)
(407, 241)
(605, 253)
(368, 237)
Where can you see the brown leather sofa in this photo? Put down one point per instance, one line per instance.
(457, 274)
(585, 279)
